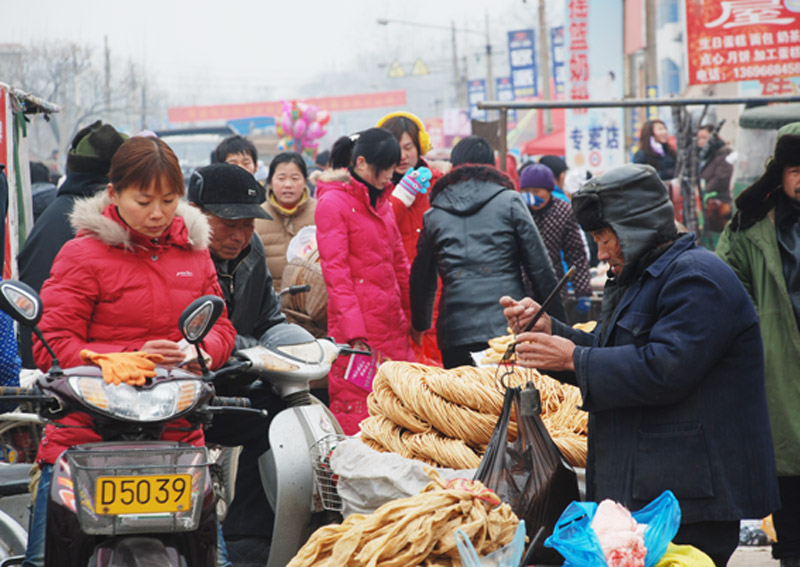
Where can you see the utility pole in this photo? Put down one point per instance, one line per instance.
(107, 112)
(144, 104)
(456, 81)
(544, 60)
(489, 76)
(651, 47)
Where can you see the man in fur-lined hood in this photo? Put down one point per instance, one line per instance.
(762, 245)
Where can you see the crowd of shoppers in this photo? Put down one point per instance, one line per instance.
(691, 366)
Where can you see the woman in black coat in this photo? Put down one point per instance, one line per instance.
(654, 149)
(477, 237)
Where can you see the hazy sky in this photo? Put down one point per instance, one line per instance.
(235, 51)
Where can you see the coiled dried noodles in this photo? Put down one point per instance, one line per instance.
(446, 417)
(415, 531)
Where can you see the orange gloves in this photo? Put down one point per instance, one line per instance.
(129, 367)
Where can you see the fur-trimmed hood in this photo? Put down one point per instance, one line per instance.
(467, 188)
(756, 201)
(87, 217)
(332, 179)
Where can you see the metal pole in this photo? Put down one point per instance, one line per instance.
(489, 76)
(624, 103)
(503, 137)
(455, 62)
(544, 58)
(504, 107)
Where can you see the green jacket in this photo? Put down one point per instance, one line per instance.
(754, 256)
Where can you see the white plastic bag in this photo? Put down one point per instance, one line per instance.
(302, 244)
(507, 556)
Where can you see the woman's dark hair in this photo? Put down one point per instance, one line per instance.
(399, 125)
(287, 157)
(644, 139)
(143, 161)
(235, 144)
(472, 149)
(377, 146)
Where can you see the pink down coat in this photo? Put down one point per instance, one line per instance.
(366, 272)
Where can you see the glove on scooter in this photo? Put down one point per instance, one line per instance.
(132, 368)
(414, 182)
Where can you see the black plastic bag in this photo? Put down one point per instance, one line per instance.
(530, 474)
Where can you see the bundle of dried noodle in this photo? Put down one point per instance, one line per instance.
(446, 417)
(415, 531)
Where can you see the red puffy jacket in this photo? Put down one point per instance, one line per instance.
(366, 274)
(112, 290)
(409, 222)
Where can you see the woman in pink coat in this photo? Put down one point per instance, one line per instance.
(363, 261)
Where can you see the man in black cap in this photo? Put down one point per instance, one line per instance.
(673, 375)
(231, 199)
(88, 162)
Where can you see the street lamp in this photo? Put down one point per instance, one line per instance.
(460, 99)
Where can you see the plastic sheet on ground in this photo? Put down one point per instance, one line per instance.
(368, 479)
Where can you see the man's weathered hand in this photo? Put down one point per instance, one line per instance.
(519, 314)
(545, 352)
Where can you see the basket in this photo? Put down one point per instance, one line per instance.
(326, 495)
(88, 464)
(309, 309)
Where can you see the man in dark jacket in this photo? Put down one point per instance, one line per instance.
(672, 377)
(231, 198)
(88, 162)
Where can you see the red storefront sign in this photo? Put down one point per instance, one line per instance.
(273, 108)
(742, 40)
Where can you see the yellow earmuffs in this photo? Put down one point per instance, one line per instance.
(424, 140)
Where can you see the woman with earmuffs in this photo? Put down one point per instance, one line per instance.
(409, 206)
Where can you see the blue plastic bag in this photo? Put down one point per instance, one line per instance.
(507, 556)
(574, 538)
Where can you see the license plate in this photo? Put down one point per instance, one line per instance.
(145, 494)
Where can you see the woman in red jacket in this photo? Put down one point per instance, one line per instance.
(363, 262)
(138, 259)
(409, 131)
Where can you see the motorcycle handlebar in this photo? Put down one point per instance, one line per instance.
(295, 289)
(229, 402)
(17, 394)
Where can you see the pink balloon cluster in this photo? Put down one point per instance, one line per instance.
(300, 126)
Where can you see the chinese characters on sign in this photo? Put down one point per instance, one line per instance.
(522, 61)
(504, 92)
(595, 137)
(476, 92)
(739, 40)
(557, 57)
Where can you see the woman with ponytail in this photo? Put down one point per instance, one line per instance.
(363, 261)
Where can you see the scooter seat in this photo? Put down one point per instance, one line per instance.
(14, 478)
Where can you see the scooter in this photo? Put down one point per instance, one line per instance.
(130, 499)
(294, 473)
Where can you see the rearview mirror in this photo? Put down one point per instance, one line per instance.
(197, 320)
(21, 302)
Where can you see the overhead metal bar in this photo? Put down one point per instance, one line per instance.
(505, 106)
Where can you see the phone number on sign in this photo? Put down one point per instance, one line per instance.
(758, 71)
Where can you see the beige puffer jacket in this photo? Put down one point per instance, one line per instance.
(276, 233)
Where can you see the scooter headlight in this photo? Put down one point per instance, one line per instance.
(163, 401)
(307, 352)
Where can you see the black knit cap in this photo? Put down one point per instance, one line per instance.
(228, 191)
(93, 147)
